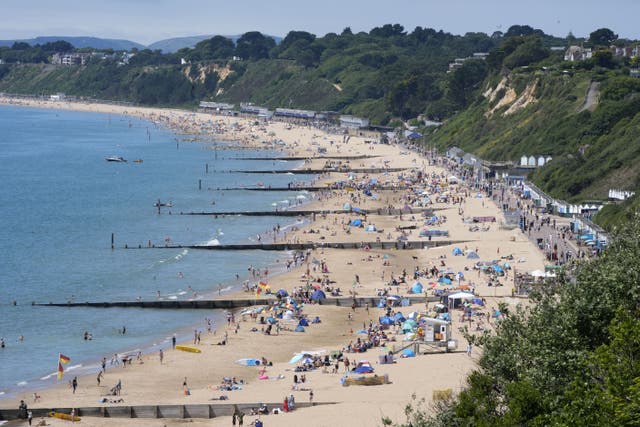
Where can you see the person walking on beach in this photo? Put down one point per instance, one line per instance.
(161, 356)
(311, 397)
(99, 378)
(469, 347)
(74, 384)
(173, 341)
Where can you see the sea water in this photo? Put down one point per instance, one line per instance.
(61, 201)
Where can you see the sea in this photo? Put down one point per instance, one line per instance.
(60, 203)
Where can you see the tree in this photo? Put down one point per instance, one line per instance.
(254, 45)
(602, 37)
(521, 31)
(217, 47)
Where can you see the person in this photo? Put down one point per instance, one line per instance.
(22, 410)
(29, 417)
(173, 341)
(161, 356)
(104, 364)
(99, 378)
(469, 346)
(311, 397)
(257, 423)
(74, 384)
(285, 404)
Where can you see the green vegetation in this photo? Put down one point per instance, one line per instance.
(570, 358)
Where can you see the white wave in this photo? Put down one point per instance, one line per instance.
(289, 173)
(46, 377)
(181, 255)
(212, 242)
(173, 297)
(182, 293)
(71, 368)
(22, 383)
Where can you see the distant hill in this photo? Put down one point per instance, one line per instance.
(80, 42)
(175, 44)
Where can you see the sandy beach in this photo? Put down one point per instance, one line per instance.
(365, 272)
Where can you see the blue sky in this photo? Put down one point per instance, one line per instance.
(146, 21)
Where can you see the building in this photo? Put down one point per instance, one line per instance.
(577, 53)
(215, 106)
(296, 114)
(70, 58)
(634, 72)
(254, 110)
(353, 122)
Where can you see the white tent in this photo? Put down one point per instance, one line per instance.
(461, 295)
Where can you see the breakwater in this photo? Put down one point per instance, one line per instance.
(227, 304)
(400, 245)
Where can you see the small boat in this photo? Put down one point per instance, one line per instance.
(138, 161)
(63, 416)
(188, 349)
(117, 159)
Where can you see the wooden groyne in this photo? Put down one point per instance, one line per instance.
(205, 410)
(225, 304)
(402, 245)
(321, 171)
(381, 211)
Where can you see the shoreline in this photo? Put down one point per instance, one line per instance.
(419, 375)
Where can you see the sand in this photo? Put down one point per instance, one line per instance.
(151, 383)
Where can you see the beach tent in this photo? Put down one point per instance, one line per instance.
(271, 320)
(417, 288)
(363, 368)
(299, 328)
(385, 320)
(318, 294)
(307, 360)
(362, 332)
(356, 222)
(249, 362)
(472, 255)
(408, 325)
(371, 227)
(457, 251)
(398, 317)
(498, 270)
(445, 281)
(461, 296)
(413, 315)
(282, 293)
(407, 352)
(303, 322)
(346, 206)
(477, 301)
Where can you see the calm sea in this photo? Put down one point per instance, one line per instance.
(59, 204)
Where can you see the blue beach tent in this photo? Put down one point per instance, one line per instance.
(299, 329)
(318, 295)
(407, 352)
(303, 322)
(457, 251)
(417, 288)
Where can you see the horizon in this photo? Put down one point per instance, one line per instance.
(149, 21)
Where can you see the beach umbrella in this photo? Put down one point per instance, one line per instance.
(296, 358)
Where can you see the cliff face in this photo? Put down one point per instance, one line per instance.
(589, 123)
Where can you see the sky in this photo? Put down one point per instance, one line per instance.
(146, 21)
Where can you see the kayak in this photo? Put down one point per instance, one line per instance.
(63, 416)
(188, 349)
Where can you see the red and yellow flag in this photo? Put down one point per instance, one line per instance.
(62, 359)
